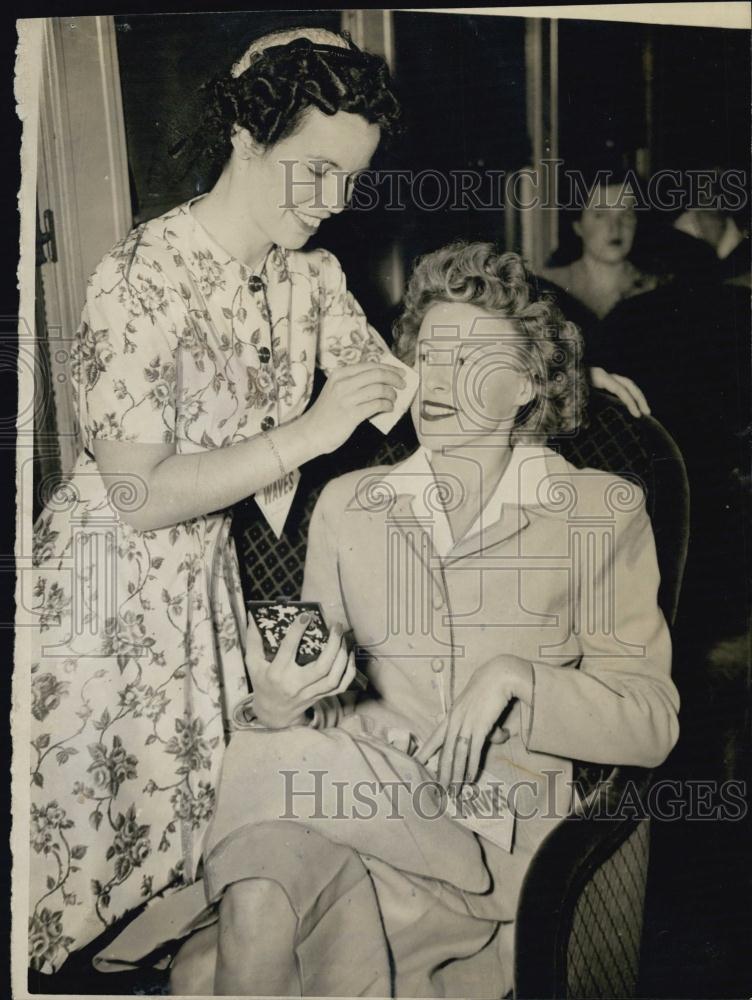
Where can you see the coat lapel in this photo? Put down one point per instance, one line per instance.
(523, 488)
(415, 530)
(512, 521)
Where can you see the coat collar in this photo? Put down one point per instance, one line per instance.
(532, 482)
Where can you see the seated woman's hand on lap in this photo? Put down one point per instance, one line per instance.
(472, 718)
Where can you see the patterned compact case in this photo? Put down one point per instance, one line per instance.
(273, 618)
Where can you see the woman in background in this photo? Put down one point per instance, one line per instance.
(603, 273)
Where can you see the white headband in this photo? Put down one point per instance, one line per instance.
(255, 49)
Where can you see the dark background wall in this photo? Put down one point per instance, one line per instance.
(680, 94)
(701, 105)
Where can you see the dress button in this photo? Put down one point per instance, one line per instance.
(267, 423)
(437, 664)
(255, 284)
(264, 355)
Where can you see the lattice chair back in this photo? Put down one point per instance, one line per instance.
(580, 916)
(603, 957)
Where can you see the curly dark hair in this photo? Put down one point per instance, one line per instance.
(282, 81)
(499, 283)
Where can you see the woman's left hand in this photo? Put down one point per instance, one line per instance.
(623, 388)
(471, 719)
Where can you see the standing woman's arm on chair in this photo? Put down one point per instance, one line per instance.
(625, 390)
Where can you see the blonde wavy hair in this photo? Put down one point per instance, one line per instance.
(500, 284)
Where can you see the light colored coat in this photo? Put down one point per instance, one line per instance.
(560, 570)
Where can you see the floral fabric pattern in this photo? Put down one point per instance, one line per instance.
(138, 658)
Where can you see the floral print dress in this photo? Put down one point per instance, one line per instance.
(138, 655)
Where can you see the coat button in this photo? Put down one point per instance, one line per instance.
(437, 664)
(264, 355)
(438, 601)
(267, 423)
(255, 284)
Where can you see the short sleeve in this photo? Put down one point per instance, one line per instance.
(347, 338)
(123, 358)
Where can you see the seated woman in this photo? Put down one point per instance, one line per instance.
(336, 863)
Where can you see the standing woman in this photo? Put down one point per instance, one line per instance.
(193, 365)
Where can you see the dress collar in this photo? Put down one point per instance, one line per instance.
(201, 237)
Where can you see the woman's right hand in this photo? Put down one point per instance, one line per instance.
(283, 691)
(352, 394)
